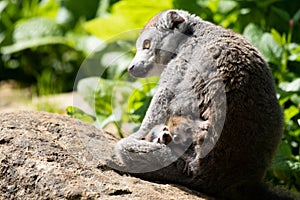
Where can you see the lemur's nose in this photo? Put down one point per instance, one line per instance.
(131, 68)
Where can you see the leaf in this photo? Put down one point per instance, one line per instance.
(295, 98)
(294, 57)
(270, 49)
(253, 33)
(293, 86)
(276, 36)
(290, 112)
(296, 16)
(126, 15)
(108, 98)
(294, 52)
(284, 151)
(3, 5)
(48, 8)
(295, 133)
(227, 6)
(35, 32)
(34, 43)
(140, 98)
(80, 114)
(38, 27)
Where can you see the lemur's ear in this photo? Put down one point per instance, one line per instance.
(174, 19)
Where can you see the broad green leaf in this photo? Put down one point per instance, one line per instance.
(226, 6)
(284, 151)
(34, 43)
(270, 49)
(293, 86)
(295, 98)
(126, 15)
(34, 32)
(253, 33)
(37, 27)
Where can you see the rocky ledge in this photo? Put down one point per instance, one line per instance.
(49, 156)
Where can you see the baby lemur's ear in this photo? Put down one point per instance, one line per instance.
(174, 19)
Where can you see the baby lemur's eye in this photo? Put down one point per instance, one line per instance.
(146, 44)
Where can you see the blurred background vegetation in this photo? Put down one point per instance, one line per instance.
(55, 46)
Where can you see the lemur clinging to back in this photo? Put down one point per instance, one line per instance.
(212, 75)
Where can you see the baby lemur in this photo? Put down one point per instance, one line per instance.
(218, 85)
(179, 130)
(179, 136)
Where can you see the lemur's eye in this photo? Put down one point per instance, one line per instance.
(146, 44)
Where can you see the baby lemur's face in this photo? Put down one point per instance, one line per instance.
(157, 45)
(178, 131)
(181, 129)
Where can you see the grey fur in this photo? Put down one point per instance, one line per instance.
(218, 76)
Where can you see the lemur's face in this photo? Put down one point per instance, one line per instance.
(157, 45)
(148, 60)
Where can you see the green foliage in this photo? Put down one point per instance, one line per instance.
(119, 101)
(39, 40)
(126, 15)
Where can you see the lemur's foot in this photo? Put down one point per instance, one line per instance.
(184, 162)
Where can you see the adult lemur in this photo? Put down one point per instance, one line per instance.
(220, 84)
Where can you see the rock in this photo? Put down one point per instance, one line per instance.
(49, 156)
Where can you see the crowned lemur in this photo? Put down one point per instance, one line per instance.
(217, 95)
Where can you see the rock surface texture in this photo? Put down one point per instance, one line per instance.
(49, 156)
